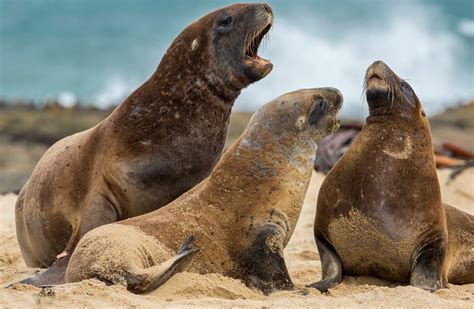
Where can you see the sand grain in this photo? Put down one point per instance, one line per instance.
(193, 290)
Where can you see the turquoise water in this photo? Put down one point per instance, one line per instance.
(99, 51)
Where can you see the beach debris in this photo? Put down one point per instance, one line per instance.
(334, 146)
(330, 149)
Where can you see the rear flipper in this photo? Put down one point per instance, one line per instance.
(149, 279)
(330, 263)
(428, 266)
(52, 276)
(263, 264)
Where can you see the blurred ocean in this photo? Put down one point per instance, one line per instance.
(99, 51)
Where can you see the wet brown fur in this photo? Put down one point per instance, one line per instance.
(381, 203)
(161, 141)
(261, 180)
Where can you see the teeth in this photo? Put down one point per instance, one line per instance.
(252, 48)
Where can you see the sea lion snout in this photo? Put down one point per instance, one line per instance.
(379, 63)
(379, 67)
(387, 92)
(326, 104)
(237, 33)
(267, 7)
(256, 67)
(264, 11)
(334, 97)
(377, 79)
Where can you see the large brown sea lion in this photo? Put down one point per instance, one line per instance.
(160, 142)
(379, 210)
(240, 217)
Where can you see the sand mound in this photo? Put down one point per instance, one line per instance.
(190, 286)
(216, 291)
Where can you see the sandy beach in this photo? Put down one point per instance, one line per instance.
(161, 85)
(192, 290)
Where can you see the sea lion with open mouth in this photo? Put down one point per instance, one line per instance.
(379, 210)
(237, 221)
(160, 142)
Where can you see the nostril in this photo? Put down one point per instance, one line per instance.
(267, 8)
(379, 63)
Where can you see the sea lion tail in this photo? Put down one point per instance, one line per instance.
(149, 279)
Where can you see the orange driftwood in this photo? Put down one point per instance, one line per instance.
(458, 151)
(445, 161)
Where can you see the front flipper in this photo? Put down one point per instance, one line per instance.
(330, 264)
(428, 266)
(263, 264)
(149, 279)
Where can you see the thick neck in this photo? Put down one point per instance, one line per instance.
(172, 100)
(394, 109)
(399, 152)
(407, 122)
(257, 166)
(256, 177)
(391, 134)
(188, 93)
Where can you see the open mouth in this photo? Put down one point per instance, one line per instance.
(375, 77)
(253, 43)
(374, 80)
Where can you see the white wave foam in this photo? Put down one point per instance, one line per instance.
(67, 99)
(114, 92)
(466, 27)
(417, 46)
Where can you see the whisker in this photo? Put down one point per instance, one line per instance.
(246, 43)
(362, 94)
(389, 92)
(393, 90)
(409, 103)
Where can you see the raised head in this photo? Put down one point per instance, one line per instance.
(221, 47)
(387, 93)
(307, 113)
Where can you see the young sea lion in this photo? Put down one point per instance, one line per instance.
(160, 142)
(241, 217)
(379, 210)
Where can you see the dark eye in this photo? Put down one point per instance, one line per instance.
(317, 111)
(408, 93)
(405, 87)
(320, 102)
(226, 21)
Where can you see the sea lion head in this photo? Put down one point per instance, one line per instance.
(306, 113)
(237, 32)
(221, 47)
(387, 93)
